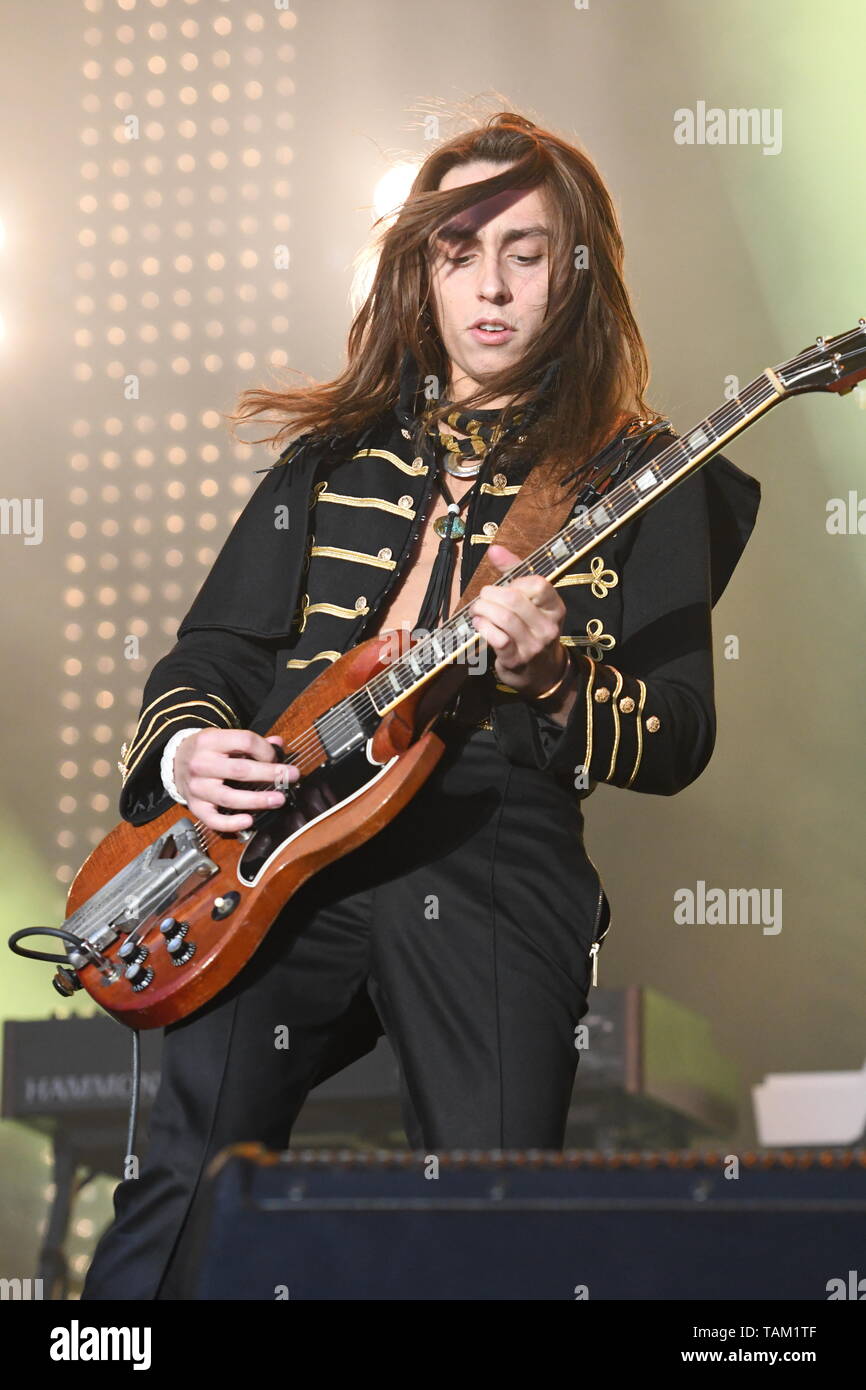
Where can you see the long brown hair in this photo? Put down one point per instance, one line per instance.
(589, 328)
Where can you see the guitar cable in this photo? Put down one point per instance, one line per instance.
(61, 934)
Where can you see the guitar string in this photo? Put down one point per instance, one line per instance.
(677, 448)
(343, 717)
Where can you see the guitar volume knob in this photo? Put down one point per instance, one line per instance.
(139, 975)
(130, 950)
(180, 950)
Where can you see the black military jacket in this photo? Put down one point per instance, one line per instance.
(328, 534)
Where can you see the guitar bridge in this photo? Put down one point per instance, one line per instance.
(148, 885)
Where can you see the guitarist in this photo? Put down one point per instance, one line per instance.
(497, 345)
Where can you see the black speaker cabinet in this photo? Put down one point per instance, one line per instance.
(778, 1225)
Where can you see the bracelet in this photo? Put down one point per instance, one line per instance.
(166, 765)
(545, 694)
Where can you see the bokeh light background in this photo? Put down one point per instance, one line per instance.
(185, 190)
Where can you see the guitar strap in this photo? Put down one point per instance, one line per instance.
(539, 511)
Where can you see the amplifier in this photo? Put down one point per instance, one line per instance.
(529, 1225)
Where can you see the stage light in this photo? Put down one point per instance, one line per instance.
(393, 187)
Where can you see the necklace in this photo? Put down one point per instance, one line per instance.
(450, 528)
(481, 431)
(460, 470)
(452, 524)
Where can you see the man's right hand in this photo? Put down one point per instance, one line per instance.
(206, 760)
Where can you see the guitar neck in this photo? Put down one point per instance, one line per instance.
(456, 637)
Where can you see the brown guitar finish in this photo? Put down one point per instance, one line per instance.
(403, 733)
(224, 946)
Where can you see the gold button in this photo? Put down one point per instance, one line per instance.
(405, 500)
(360, 602)
(653, 724)
(406, 434)
(418, 463)
(602, 694)
(500, 480)
(626, 704)
(490, 528)
(385, 553)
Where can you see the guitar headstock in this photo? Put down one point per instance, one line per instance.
(830, 364)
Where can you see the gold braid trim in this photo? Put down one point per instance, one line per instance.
(637, 716)
(406, 513)
(335, 552)
(206, 700)
(504, 491)
(417, 467)
(336, 610)
(589, 686)
(616, 725)
(127, 768)
(298, 663)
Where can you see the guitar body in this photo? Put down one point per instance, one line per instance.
(230, 887)
(161, 917)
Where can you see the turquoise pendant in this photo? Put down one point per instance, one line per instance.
(458, 529)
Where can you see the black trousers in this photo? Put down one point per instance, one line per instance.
(463, 931)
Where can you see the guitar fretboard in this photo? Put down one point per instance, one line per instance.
(343, 724)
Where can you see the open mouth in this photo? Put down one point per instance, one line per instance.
(492, 331)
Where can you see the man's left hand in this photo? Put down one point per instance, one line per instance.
(522, 624)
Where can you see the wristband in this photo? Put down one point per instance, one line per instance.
(166, 766)
(551, 690)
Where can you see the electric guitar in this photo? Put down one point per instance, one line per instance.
(161, 917)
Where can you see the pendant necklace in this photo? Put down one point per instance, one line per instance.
(450, 528)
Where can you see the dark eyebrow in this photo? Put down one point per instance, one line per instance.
(466, 234)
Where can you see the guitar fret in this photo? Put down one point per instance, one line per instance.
(439, 648)
(344, 722)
